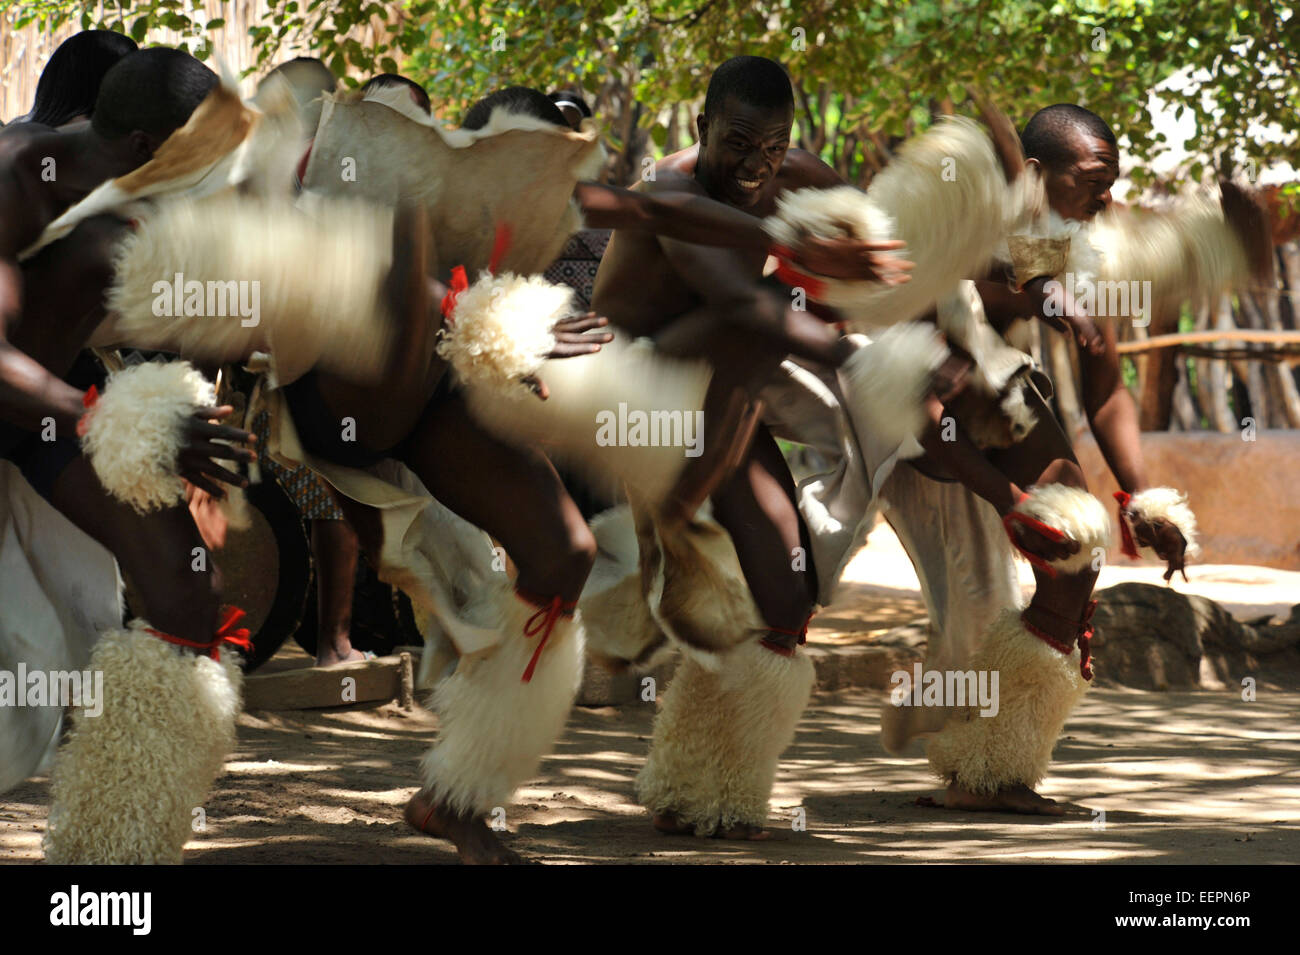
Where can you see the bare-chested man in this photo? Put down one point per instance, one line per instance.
(511, 492)
(52, 303)
(995, 764)
(708, 302)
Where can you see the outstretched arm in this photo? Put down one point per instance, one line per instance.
(694, 217)
(1112, 415)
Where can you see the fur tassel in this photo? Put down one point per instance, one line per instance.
(719, 735)
(494, 728)
(885, 383)
(235, 507)
(1075, 513)
(621, 630)
(590, 394)
(500, 330)
(317, 281)
(126, 783)
(1037, 689)
(133, 435)
(696, 588)
(947, 198)
(1185, 253)
(1169, 504)
(828, 213)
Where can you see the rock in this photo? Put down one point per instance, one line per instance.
(1156, 638)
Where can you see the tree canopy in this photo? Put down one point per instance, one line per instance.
(866, 74)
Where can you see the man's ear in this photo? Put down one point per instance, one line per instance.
(702, 127)
(141, 145)
(1035, 164)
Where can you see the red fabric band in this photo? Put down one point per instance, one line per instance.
(1085, 635)
(459, 282)
(792, 277)
(543, 622)
(1051, 533)
(226, 633)
(501, 241)
(1128, 545)
(88, 401)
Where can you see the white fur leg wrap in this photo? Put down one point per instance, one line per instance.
(1168, 504)
(500, 330)
(944, 194)
(493, 727)
(886, 382)
(133, 434)
(1037, 688)
(626, 414)
(719, 735)
(126, 783)
(258, 276)
(1076, 514)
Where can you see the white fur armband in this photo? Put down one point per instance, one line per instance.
(1167, 504)
(500, 329)
(828, 214)
(1073, 512)
(134, 432)
(885, 383)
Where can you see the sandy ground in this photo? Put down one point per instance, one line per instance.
(1199, 777)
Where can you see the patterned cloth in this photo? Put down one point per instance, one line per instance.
(576, 267)
(304, 487)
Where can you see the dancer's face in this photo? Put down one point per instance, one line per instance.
(1080, 187)
(741, 151)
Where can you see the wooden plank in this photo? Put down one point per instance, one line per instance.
(1223, 335)
(366, 681)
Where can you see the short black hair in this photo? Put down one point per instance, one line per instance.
(153, 90)
(69, 84)
(570, 96)
(1046, 136)
(514, 99)
(396, 79)
(752, 80)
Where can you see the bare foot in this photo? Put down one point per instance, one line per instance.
(474, 842)
(331, 657)
(1018, 798)
(670, 824)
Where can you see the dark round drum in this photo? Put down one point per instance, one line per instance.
(267, 570)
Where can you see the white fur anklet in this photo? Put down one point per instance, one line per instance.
(126, 784)
(493, 726)
(133, 433)
(719, 735)
(1069, 511)
(1037, 687)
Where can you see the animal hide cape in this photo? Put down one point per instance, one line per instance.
(224, 143)
(517, 172)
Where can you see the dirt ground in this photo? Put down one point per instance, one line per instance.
(1181, 777)
(1188, 777)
